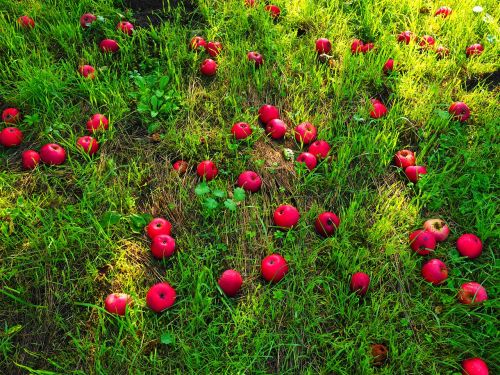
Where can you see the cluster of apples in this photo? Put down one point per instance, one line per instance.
(406, 160)
(208, 67)
(273, 10)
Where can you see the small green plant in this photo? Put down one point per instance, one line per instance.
(213, 200)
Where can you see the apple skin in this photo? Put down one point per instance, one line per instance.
(320, 149)
(443, 11)
(87, 71)
(356, 46)
(162, 246)
(241, 130)
(360, 282)
(308, 159)
(30, 159)
(116, 303)
(379, 110)
(327, 223)
(160, 297)
(435, 271)
(207, 169)
(158, 226)
(274, 268)
(323, 45)
(460, 111)
(276, 129)
(208, 67)
(286, 216)
(438, 228)
(109, 46)
(26, 22)
(268, 112)
(422, 242)
(256, 58)
(250, 3)
(52, 154)
(250, 181)
(88, 144)
(230, 282)
(442, 52)
(180, 166)
(427, 42)
(413, 172)
(197, 43)
(97, 122)
(472, 293)
(125, 27)
(367, 47)
(404, 159)
(11, 137)
(475, 49)
(388, 66)
(213, 48)
(11, 115)
(273, 10)
(469, 245)
(406, 37)
(305, 133)
(87, 19)
(474, 366)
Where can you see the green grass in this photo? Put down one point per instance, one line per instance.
(72, 234)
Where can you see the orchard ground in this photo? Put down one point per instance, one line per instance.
(72, 234)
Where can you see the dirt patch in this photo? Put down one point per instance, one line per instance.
(491, 81)
(154, 12)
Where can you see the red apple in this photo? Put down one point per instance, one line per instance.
(327, 223)
(180, 166)
(230, 282)
(250, 3)
(379, 110)
(30, 159)
(460, 111)
(427, 42)
(443, 11)
(472, 293)
(197, 43)
(367, 47)
(97, 122)
(305, 133)
(88, 144)
(250, 181)
(11, 137)
(438, 228)
(435, 271)
(116, 303)
(26, 22)
(256, 58)
(207, 170)
(276, 129)
(422, 242)
(442, 52)
(404, 158)
(158, 226)
(413, 172)
(356, 46)
(360, 282)
(469, 245)
(406, 37)
(241, 130)
(213, 48)
(388, 66)
(87, 19)
(274, 268)
(208, 67)
(11, 115)
(160, 297)
(162, 246)
(52, 154)
(268, 112)
(308, 159)
(87, 71)
(109, 45)
(125, 27)
(475, 49)
(474, 366)
(286, 216)
(323, 45)
(273, 10)
(320, 149)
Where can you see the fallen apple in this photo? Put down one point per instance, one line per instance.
(87, 19)
(256, 57)
(276, 129)
(475, 49)
(286, 216)
(388, 66)
(125, 27)
(427, 42)
(367, 47)
(207, 170)
(472, 293)
(308, 159)
(97, 122)
(162, 246)
(160, 297)
(442, 52)
(87, 71)
(413, 172)
(305, 133)
(109, 46)
(438, 228)
(26, 22)
(273, 10)
(443, 11)
(356, 46)
(11, 115)
(30, 159)
(250, 3)
(327, 223)
(320, 149)
(11, 137)
(241, 130)
(406, 37)
(180, 166)
(268, 112)
(88, 144)
(422, 242)
(360, 282)
(158, 226)
(323, 45)
(469, 245)
(435, 271)
(213, 48)
(197, 43)
(404, 158)
(250, 181)
(52, 154)
(208, 67)
(116, 303)
(274, 268)
(379, 110)
(230, 282)
(459, 111)
(474, 366)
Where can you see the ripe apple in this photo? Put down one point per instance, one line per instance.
(435, 271)
(367, 47)
(213, 48)
(230, 282)
(404, 158)
(460, 111)
(109, 45)
(256, 58)
(87, 19)
(438, 228)
(323, 45)
(413, 172)
(162, 246)
(442, 52)
(320, 149)
(116, 303)
(305, 133)
(268, 112)
(327, 223)
(356, 46)
(52, 154)
(11, 137)
(97, 122)
(207, 170)
(158, 226)
(125, 27)
(11, 115)
(472, 293)
(427, 42)
(250, 3)
(286, 216)
(422, 242)
(475, 49)
(406, 37)
(88, 144)
(241, 130)
(443, 12)
(360, 282)
(160, 297)
(26, 22)
(379, 110)
(197, 43)
(388, 66)
(308, 159)
(469, 245)
(474, 366)
(273, 10)
(250, 181)
(274, 268)
(87, 71)
(180, 166)
(208, 67)
(276, 129)
(30, 159)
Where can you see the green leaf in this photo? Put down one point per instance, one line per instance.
(154, 113)
(211, 204)
(443, 114)
(219, 193)
(159, 93)
(230, 204)
(239, 194)
(154, 102)
(138, 222)
(167, 338)
(201, 189)
(110, 218)
(164, 82)
(142, 108)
